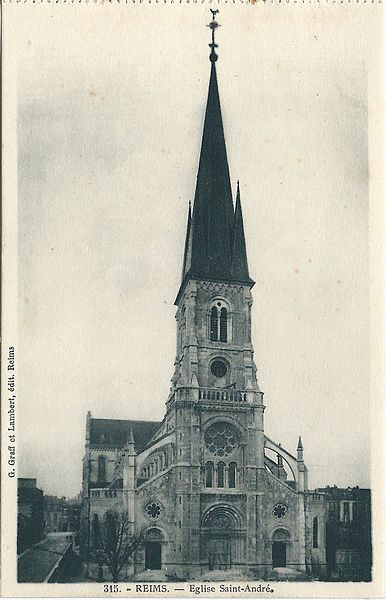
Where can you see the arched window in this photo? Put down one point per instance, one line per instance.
(214, 324)
(101, 468)
(315, 533)
(223, 325)
(219, 321)
(232, 475)
(220, 475)
(95, 531)
(209, 474)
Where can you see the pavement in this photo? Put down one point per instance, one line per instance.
(221, 575)
(35, 564)
(288, 574)
(151, 575)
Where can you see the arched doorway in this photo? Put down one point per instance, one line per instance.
(153, 550)
(222, 538)
(279, 548)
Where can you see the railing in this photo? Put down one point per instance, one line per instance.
(104, 493)
(316, 495)
(210, 395)
(216, 395)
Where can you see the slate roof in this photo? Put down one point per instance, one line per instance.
(215, 242)
(113, 433)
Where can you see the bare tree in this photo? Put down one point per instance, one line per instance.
(116, 542)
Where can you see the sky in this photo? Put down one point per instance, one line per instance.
(110, 116)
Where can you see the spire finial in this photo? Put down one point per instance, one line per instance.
(213, 25)
(130, 437)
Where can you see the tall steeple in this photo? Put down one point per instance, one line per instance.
(215, 241)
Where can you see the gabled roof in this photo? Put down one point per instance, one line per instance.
(113, 433)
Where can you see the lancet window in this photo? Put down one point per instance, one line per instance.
(101, 468)
(219, 322)
(209, 471)
(315, 533)
(220, 475)
(232, 475)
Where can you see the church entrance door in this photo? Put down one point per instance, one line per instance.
(279, 554)
(153, 556)
(219, 553)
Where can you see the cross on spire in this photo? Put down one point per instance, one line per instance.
(213, 25)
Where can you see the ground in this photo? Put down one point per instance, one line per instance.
(35, 564)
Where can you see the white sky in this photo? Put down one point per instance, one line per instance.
(110, 110)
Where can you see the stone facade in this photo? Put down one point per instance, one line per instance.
(206, 488)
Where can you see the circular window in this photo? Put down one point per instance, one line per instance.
(221, 439)
(153, 510)
(279, 510)
(218, 368)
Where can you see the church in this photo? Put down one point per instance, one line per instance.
(205, 488)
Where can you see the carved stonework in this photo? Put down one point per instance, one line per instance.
(220, 522)
(218, 287)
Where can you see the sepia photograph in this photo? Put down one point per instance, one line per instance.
(189, 303)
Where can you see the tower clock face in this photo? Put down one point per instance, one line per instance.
(218, 368)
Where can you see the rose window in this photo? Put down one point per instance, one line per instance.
(279, 510)
(153, 510)
(218, 368)
(221, 439)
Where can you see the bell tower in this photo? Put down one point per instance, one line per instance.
(215, 373)
(215, 406)
(214, 346)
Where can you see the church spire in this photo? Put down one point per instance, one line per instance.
(210, 239)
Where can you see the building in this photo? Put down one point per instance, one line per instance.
(348, 533)
(54, 513)
(30, 523)
(206, 488)
(61, 514)
(73, 510)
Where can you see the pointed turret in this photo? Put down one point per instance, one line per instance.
(130, 442)
(215, 241)
(300, 449)
(239, 256)
(302, 469)
(188, 245)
